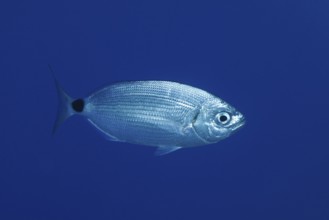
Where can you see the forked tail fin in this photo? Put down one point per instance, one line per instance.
(64, 110)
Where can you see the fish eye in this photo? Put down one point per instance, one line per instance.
(223, 118)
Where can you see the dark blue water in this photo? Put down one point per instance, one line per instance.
(269, 59)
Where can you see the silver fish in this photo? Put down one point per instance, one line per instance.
(164, 114)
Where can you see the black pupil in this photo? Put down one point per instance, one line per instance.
(223, 118)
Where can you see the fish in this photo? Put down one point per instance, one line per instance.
(163, 114)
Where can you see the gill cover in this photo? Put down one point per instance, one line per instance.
(213, 122)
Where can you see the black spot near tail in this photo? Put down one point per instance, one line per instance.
(78, 105)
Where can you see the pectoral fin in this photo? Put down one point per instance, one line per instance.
(162, 150)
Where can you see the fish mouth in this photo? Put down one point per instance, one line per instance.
(239, 124)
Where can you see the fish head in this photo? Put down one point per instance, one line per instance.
(217, 120)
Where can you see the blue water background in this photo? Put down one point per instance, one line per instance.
(269, 59)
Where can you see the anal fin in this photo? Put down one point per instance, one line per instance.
(163, 150)
(106, 135)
